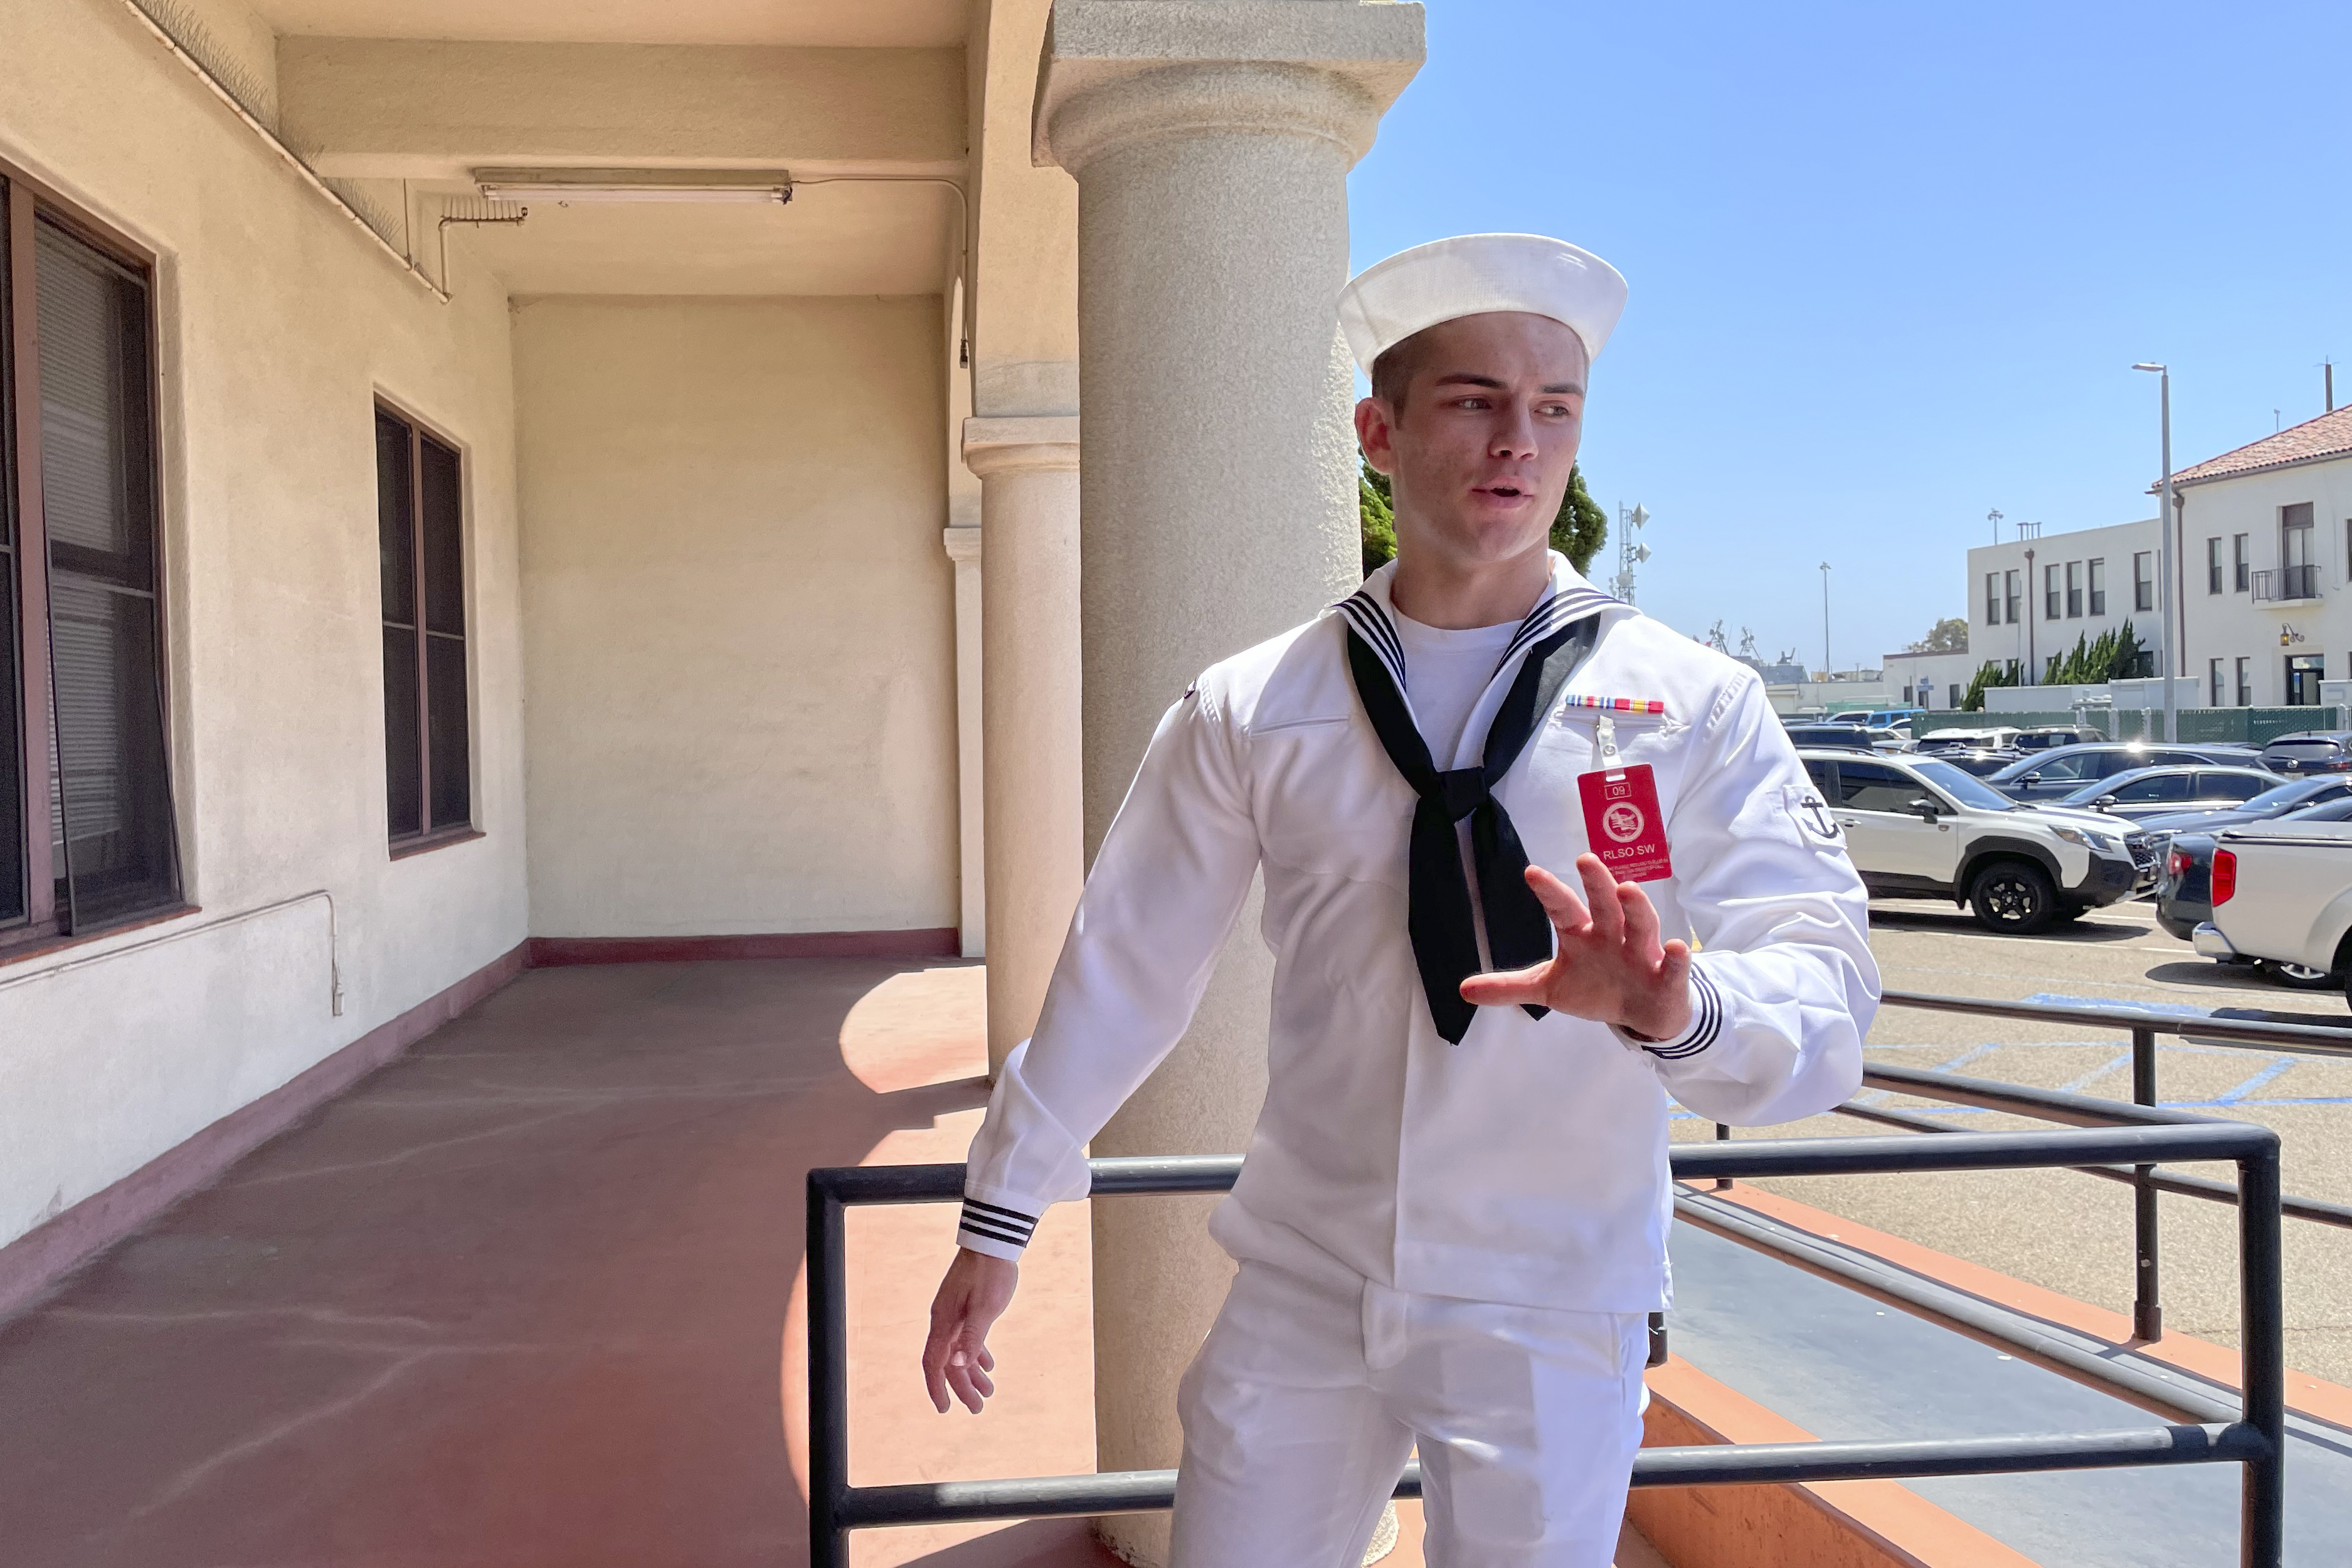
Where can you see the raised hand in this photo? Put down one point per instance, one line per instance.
(1610, 965)
(972, 1297)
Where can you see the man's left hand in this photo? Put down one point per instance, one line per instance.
(1610, 966)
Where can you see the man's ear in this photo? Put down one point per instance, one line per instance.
(1373, 433)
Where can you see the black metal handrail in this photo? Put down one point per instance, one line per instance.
(2255, 1438)
(2144, 1024)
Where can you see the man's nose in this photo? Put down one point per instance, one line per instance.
(1515, 436)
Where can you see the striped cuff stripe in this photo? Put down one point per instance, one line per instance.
(1015, 1216)
(997, 1224)
(1704, 1027)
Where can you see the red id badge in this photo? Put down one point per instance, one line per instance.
(1621, 822)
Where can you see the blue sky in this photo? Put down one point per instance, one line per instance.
(1891, 263)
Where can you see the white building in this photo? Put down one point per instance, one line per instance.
(2265, 542)
(2033, 599)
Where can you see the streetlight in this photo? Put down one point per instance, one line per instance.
(2163, 557)
(1828, 670)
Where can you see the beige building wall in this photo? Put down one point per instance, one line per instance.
(740, 623)
(279, 322)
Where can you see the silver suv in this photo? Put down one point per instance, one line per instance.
(1919, 828)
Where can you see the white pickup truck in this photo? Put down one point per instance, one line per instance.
(2282, 896)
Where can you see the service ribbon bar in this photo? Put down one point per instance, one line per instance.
(1619, 704)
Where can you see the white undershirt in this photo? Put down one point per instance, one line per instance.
(1445, 674)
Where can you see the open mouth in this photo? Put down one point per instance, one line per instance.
(1505, 492)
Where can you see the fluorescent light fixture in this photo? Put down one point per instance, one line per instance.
(637, 185)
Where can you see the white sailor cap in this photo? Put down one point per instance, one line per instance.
(1472, 274)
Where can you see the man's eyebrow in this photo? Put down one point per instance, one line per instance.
(1469, 378)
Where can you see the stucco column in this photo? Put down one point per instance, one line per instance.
(1028, 470)
(962, 540)
(1211, 142)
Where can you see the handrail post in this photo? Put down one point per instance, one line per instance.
(2261, 1320)
(828, 1372)
(1722, 1184)
(2148, 1308)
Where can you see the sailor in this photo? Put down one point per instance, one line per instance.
(1536, 868)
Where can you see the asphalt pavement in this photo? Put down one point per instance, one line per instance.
(2073, 1233)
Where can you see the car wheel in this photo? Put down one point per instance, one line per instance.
(2014, 896)
(2298, 976)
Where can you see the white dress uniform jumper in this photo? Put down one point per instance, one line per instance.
(1451, 1221)
(1521, 1171)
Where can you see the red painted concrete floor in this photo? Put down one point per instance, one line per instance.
(522, 1299)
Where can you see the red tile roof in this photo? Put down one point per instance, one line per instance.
(2313, 441)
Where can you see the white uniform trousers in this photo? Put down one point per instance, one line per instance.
(1310, 1393)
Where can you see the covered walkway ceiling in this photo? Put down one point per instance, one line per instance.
(412, 97)
(808, 23)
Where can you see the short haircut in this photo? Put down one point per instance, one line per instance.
(1393, 371)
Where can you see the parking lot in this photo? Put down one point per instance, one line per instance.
(2073, 1233)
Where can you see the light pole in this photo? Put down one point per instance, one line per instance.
(2164, 548)
(1828, 670)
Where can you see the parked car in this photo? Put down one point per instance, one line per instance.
(2184, 896)
(2310, 751)
(1995, 737)
(2144, 792)
(1918, 827)
(1979, 762)
(2047, 737)
(2295, 795)
(2044, 776)
(2282, 895)
(1843, 737)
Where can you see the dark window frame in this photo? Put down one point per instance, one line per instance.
(34, 922)
(431, 833)
(2241, 563)
(2143, 581)
(2094, 576)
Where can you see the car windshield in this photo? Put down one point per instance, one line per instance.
(2287, 796)
(1967, 788)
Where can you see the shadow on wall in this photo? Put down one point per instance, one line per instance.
(514, 1299)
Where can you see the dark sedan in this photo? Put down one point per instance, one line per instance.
(2144, 792)
(2184, 884)
(2043, 776)
(2311, 752)
(2295, 795)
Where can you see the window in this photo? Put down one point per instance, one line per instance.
(2303, 673)
(2097, 572)
(2245, 681)
(2298, 571)
(2213, 565)
(2144, 580)
(2073, 590)
(2009, 596)
(1992, 598)
(1874, 786)
(420, 535)
(87, 834)
(2155, 789)
(2051, 604)
(2214, 686)
(2228, 786)
(1952, 695)
(2239, 563)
